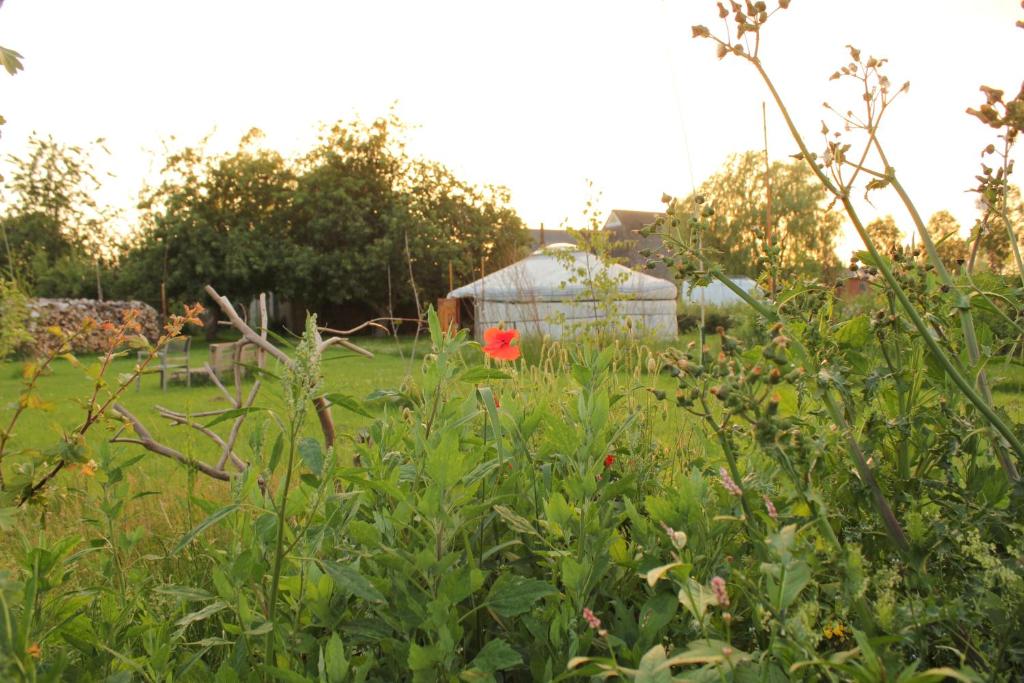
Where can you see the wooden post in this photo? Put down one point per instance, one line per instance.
(451, 277)
(448, 315)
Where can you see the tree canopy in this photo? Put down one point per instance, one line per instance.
(802, 226)
(354, 221)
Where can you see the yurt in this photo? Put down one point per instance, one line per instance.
(717, 294)
(538, 296)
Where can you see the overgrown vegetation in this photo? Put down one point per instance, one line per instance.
(841, 502)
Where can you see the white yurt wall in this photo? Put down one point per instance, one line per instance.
(536, 296)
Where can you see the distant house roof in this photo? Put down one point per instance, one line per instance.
(545, 237)
(626, 226)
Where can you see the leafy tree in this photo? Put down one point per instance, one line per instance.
(802, 226)
(54, 231)
(995, 241)
(214, 218)
(377, 229)
(354, 222)
(884, 232)
(944, 229)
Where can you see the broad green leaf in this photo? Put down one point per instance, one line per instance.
(855, 332)
(421, 658)
(202, 526)
(696, 598)
(335, 663)
(312, 455)
(284, 675)
(350, 581)
(512, 594)
(655, 575)
(652, 667)
(496, 655)
(348, 403)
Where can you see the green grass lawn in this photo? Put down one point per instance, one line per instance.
(394, 362)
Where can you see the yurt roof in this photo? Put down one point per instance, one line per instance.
(542, 276)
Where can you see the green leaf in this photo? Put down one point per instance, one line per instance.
(348, 403)
(335, 664)
(348, 580)
(421, 658)
(480, 373)
(186, 593)
(496, 655)
(285, 675)
(696, 598)
(512, 594)
(312, 456)
(232, 414)
(436, 336)
(855, 332)
(656, 613)
(202, 526)
(652, 667)
(201, 614)
(515, 522)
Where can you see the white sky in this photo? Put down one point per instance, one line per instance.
(537, 96)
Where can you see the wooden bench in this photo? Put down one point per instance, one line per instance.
(222, 359)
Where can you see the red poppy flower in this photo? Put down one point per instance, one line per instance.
(498, 343)
(609, 460)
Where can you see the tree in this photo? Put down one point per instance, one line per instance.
(884, 232)
(352, 223)
(53, 229)
(214, 219)
(801, 225)
(377, 229)
(995, 240)
(944, 230)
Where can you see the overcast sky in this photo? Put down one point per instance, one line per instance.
(536, 96)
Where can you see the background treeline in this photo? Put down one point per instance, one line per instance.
(345, 229)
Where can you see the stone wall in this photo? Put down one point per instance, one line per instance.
(69, 314)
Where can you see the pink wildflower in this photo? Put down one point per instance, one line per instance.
(591, 619)
(728, 482)
(718, 588)
(772, 512)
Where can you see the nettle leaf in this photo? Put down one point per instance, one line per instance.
(512, 595)
(350, 581)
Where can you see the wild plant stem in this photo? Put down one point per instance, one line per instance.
(979, 402)
(275, 579)
(892, 526)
